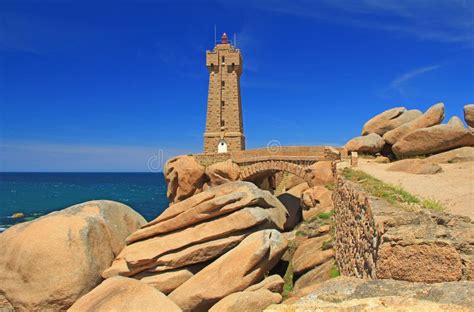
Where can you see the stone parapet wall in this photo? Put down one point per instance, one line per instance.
(210, 159)
(377, 240)
(357, 238)
(303, 155)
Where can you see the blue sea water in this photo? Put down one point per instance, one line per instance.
(36, 194)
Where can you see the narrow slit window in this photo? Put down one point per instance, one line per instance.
(223, 59)
(222, 123)
(223, 83)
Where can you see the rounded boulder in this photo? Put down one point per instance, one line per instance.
(48, 263)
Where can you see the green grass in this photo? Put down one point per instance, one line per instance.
(300, 233)
(326, 215)
(432, 204)
(330, 186)
(334, 272)
(391, 193)
(288, 278)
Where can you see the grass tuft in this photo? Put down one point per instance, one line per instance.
(326, 215)
(432, 204)
(334, 272)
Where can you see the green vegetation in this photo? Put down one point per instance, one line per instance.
(300, 233)
(328, 244)
(334, 272)
(326, 215)
(432, 204)
(330, 186)
(391, 193)
(288, 277)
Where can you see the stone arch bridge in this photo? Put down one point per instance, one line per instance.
(258, 163)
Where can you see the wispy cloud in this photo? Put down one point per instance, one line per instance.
(398, 83)
(440, 21)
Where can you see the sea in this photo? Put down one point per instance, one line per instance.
(37, 194)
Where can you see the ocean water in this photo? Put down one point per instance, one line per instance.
(36, 194)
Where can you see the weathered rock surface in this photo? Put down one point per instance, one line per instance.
(124, 294)
(248, 301)
(321, 172)
(311, 254)
(439, 261)
(241, 267)
(371, 143)
(5, 305)
(457, 155)
(48, 263)
(214, 202)
(255, 298)
(388, 303)
(222, 172)
(433, 116)
(416, 166)
(434, 139)
(273, 283)
(293, 208)
(168, 281)
(377, 240)
(195, 244)
(316, 200)
(377, 123)
(184, 177)
(469, 114)
(389, 120)
(316, 275)
(293, 181)
(353, 294)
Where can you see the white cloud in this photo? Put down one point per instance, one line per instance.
(438, 21)
(398, 82)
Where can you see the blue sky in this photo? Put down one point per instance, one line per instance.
(106, 86)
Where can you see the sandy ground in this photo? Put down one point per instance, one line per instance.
(454, 186)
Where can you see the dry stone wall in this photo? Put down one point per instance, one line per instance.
(379, 241)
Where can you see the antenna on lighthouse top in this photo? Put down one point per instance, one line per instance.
(215, 35)
(235, 40)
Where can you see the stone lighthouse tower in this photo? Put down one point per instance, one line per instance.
(224, 129)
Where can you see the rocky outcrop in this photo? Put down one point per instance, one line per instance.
(316, 200)
(353, 294)
(222, 172)
(371, 144)
(416, 166)
(249, 301)
(124, 294)
(321, 172)
(311, 254)
(457, 155)
(48, 263)
(316, 275)
(433, 116)
(5, 305)
(469, 114)
(253, 299)
(168, 281)
(434, 139)
(184, 177)
(249, 261)
(376, 240)
(389, 120)
(172, 250)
